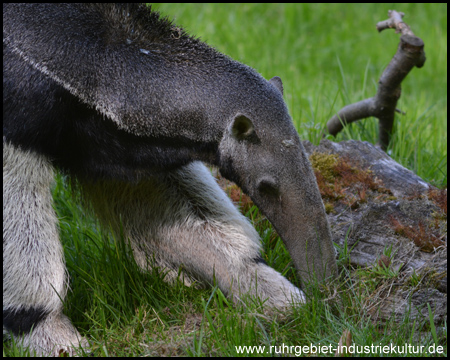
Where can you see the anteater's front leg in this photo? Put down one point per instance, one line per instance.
(183, 218)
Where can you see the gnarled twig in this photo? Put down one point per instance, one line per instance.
(410, 53)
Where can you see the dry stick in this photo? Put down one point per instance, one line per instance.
(410, 53)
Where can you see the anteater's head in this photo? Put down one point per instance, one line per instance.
(261, 151)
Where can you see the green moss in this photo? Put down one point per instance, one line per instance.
(329, 208)
(325, 164)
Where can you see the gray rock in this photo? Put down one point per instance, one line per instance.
(395, 177)
(369, 229)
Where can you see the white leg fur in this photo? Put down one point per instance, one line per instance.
(180, 218)
(184, 218)
(34, 275)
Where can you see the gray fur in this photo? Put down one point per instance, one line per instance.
(169, 218)
(129, 104)
(34, 274)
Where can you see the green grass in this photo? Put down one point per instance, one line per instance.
(126, 312)
(328, 56)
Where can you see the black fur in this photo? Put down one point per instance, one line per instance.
(21, 321)
(43, 116)
(260, 260)
(176, 93)
(75, 136)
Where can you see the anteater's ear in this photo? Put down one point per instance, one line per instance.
(276, 81)
(242, 127)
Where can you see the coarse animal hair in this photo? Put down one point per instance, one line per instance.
(130, 105)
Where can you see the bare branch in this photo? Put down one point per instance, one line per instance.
(349, 114)
(410, 53)
(395, 22)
